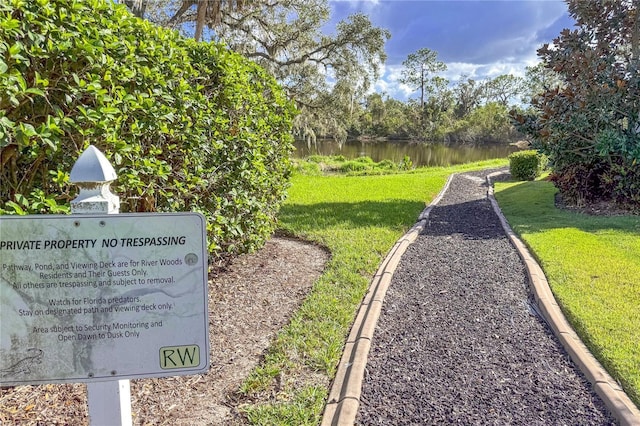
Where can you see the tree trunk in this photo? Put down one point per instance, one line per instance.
(137, 7)
(422, 87)
(200, 18)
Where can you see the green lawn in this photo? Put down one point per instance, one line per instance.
(359, 219)
(593, 268)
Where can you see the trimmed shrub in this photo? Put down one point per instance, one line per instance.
(188, 126)
(526, 165)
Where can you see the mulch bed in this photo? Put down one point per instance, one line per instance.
(249, 301)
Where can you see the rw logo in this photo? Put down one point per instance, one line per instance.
(179, 356)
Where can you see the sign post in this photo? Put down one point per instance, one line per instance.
(101, 298)
(108, 401)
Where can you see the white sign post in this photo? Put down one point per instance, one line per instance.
(108, 401)
(99, 297)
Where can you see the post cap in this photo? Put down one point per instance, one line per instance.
(92, 166)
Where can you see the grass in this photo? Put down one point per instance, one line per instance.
(593, 268)
(359, 219)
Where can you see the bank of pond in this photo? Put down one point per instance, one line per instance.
(421, 154)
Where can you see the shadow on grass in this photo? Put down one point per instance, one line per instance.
(392, 214)
(474, 219)
(530, 207)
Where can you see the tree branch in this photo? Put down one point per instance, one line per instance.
(186, 4)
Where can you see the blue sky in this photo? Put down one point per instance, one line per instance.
(480, 38)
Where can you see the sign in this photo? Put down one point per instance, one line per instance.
(90, 298)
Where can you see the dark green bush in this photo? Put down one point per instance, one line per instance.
(186, 125)
(579, 183)
(588, 183)
(526, 165)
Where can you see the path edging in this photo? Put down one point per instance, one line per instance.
(616, 400)
(343, 402)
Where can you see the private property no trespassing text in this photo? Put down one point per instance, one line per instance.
(91, 243)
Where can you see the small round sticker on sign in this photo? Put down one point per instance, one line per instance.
(191, 259)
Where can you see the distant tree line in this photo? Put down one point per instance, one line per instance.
(468, 111)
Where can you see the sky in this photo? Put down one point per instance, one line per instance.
(477, 38)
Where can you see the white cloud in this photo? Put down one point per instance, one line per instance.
(478, 39)
(457, 69)
(364, 6)
(389, 83)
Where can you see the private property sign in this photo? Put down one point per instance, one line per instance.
(100, 297)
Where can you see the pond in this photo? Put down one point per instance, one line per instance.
(420, 154)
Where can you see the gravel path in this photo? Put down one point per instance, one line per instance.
(458, 341)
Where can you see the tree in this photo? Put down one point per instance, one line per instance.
(589, 126)
(205, 12)
(285, 37)
(438, 108)
(468, 94)
(417, 68)
(503, 88)
(137, 7)
(208, 12)
(375, 115)
(539, 79)
(396, 119)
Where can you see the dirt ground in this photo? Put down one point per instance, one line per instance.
(249, 301)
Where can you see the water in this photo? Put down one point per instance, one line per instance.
(420, 154)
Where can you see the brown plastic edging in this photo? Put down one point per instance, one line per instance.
(344, 396)
(614, 397)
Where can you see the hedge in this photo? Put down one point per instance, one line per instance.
(527, 165)
(188, 126)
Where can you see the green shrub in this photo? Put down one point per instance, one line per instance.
(316, 158)
(353, 166)
(186, 125)
(591, 182)
(526, 165)
(406, 163)
(364, 160)
(579, 183)
(308, 168)
(387, 165)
